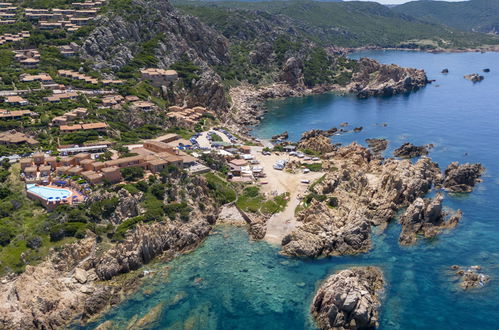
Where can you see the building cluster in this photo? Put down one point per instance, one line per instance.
(46, 81)
(70, 116)
(158, 77)
(13, 37)
(29, 58)
(69, 50)
(16, 114)
(154, 157)
(14, 138)
(70, 19)
(83, 77)
(16, 100)
(7, 13)
(58, 97)
(185, 115)
(100, 126)
(117, 101)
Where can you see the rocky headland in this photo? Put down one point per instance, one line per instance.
(376, 79)
(359, 191)
(349, 299)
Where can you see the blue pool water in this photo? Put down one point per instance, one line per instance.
(49, 193)
(231, 282)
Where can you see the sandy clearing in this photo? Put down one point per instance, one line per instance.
(279, 182)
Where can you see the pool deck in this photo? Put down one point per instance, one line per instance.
(71, 200)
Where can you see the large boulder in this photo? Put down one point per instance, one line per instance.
(317, 141)
(292, 72)
(349, 299)
(409, 150)
(462, 178)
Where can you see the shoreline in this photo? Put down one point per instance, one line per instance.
(490, 49)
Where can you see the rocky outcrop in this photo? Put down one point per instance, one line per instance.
(409, 150)
(462, 177)
(292, 72)
(474, 77)
(49, 295)
(426, 217)
(283, 136)
(470, 277)
(373, 78)
(357, 192)
(377, 146)
(148, 241)
(349, 299)
(445, 71)
(316, 141)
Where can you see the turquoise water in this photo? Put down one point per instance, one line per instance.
(231, 282)
(49, 193)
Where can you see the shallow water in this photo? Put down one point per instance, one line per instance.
(233, 283)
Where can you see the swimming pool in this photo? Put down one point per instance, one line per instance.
(48, 193)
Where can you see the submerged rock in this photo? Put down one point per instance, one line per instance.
(470, 277)
(462, 178)
(486, 70)
(349, 299)
(426, 217)
(445, 71)
(358, 129)
(409, 150)
(474, 77)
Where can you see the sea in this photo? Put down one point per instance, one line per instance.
(232, 282)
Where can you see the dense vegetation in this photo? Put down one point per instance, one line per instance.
(349, 24)
(473, 15)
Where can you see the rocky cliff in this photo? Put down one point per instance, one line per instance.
(349, 299)
(119, 34)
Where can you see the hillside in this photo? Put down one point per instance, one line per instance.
(346, 24)
(474, 15)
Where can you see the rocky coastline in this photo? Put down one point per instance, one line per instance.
(360, 190)
(372, 79)
(84, 279)
(349, 299)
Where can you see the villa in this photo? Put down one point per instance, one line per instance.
(159, 77)
(16, 100)
(14, 137)
(17, 114)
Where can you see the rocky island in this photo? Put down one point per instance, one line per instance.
(349, 299)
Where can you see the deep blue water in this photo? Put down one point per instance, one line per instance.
(231, 282)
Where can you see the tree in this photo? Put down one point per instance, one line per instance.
(132, 173)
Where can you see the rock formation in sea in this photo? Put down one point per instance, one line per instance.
(374, 78)
(462, 177)
(470, 277)
(358, 191)
(349, 299)
(316, 141)
(408, 150)
(283, 136)
(426, 217)
(377, 146)
(474, 77)
(445, 71)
